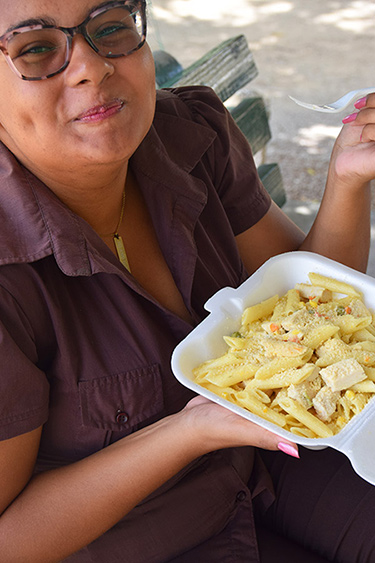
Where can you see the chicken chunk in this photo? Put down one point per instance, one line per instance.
(343, 374)
(304, 392)
(314, 292)
(325, 402)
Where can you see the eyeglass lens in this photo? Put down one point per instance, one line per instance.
(39, 53)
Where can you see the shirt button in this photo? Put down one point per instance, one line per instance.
(241, 495)
(121, 417)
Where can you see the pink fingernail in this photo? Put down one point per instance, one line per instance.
(361, 103)
(350, 118)
(288, 449)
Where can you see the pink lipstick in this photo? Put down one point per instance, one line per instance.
(100, 112)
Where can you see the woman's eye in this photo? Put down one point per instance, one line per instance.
(109, 30)
(35, 50)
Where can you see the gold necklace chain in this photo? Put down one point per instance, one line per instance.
(120, 220)
(117, 238)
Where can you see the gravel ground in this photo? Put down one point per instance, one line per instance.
(314, 50)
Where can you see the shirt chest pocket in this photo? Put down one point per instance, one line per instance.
(122, 402)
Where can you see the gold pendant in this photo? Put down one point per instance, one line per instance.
(121, 252)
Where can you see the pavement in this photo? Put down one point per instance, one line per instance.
(303, 214)
(314, 50)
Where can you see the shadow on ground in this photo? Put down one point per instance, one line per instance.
(314, 50)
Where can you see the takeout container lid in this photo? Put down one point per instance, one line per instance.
(279, 274)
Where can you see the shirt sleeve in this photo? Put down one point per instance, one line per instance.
(24, 389)
(230, 159)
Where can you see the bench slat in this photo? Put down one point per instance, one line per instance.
(252, 118)
(225, 68)
(271, 178)
(167, 68)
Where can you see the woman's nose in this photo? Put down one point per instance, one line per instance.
(86, 65)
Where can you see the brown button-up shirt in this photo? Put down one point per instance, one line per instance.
(86, 351)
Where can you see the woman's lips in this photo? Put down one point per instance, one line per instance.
(100, 112)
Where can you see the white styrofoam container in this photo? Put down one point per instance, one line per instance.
(278, 275)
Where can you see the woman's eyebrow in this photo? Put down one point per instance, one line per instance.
(31, 21)
(51, 21)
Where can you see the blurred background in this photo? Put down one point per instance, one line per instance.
(314, 50)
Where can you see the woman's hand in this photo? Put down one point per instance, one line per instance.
(353, 156)
(341, 230)
(218, 427)
(41, 522)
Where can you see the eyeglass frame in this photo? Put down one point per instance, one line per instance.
(70, 32)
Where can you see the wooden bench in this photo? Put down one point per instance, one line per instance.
(227, 68)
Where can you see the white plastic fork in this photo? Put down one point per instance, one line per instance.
(340, 104)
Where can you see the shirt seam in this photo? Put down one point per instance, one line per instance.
(83, 254)
(242, 215)
(17, 303)
(20, 417)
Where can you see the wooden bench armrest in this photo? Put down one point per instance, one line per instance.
(225, 68)
(252, 118)
(167, 68)
(270, 175)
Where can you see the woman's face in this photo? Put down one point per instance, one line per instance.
(96, 112)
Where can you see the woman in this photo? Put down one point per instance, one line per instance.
(118, 222)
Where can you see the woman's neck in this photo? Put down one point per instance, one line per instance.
(96, 198)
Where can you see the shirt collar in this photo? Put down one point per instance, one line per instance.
(34, 223)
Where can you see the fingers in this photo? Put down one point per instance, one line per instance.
(365, 117)
(288, 449)
(367, 101)
(267, 440)
(368, 133)
(219, 428)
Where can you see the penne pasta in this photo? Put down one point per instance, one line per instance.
(304, 361)
(277, 365)
(292, 301)
(252, 403)
(315, 336)
(259, 311)
(309, 420)
(333, 285)
(283, 378)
